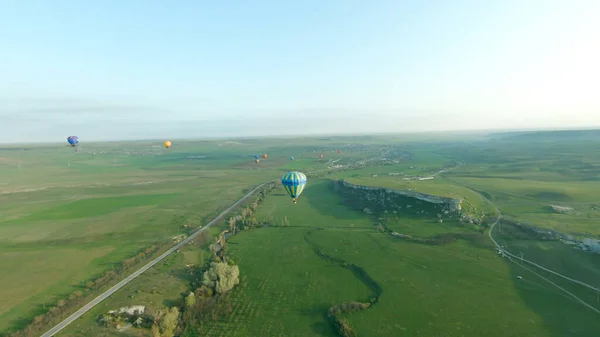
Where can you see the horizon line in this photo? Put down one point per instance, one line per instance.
(314, 135)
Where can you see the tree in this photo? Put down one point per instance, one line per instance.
(169, 322)
(232, 223)
(155, 330)
(221, 277)
(190, 300)
(165, 323)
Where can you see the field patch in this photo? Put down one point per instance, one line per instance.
(32, 277)
(286, 288)
(94, 207)
(318, 206)
(458, 288)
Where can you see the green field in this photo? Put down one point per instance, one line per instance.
(66, 217)
(458, 289)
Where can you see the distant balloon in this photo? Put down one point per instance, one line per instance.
(294, 183)
(265, 156)
(257, 160)
(255, 156)
(167, 144)
(339, 151)
(321, 156)
(73, 140)
(292, 158)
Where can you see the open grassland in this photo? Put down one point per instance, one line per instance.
(65, 216)
(524, 175)
(68, 216)
(458, 289)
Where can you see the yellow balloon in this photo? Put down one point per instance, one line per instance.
(167, 144)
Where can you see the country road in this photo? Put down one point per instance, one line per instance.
(505, 251)
(511, 256)
(138, 272)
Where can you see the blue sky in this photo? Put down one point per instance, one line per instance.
(124, 69)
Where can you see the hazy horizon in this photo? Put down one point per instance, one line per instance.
(149, 70)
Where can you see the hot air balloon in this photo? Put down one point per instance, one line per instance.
(257, 160)
(167, 144)
(255, 156)
(294, 183)
(291, 158)
(265, 156)
(73, 140)
(321, 156)
(339, 151)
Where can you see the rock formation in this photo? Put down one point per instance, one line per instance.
(377, 199)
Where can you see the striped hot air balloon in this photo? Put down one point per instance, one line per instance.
(294, 183)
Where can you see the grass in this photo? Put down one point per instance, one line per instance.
(94, 207)
(65, 217)
(296, 287)
(89, 210)
(454, 289)
(80, 213)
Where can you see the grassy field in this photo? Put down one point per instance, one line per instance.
(458, 289)
(68, 216)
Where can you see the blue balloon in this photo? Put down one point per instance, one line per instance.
(291, 158)
(73, 140)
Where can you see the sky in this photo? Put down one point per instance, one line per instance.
(149, 69)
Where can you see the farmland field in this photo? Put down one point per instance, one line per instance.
(69, 216)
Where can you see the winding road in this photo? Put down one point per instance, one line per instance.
(138, 272)
(511, 256)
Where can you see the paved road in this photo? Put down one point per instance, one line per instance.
(137, 273)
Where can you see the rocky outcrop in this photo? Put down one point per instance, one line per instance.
(386, 200)
(586, 244)
(561, 209)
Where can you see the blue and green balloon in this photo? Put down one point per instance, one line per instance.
(294, 183)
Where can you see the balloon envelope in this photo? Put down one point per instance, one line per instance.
(73, 140)
(257, 160)
(255, 156)
(294, 183)
(265, 156)
(291, 158)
